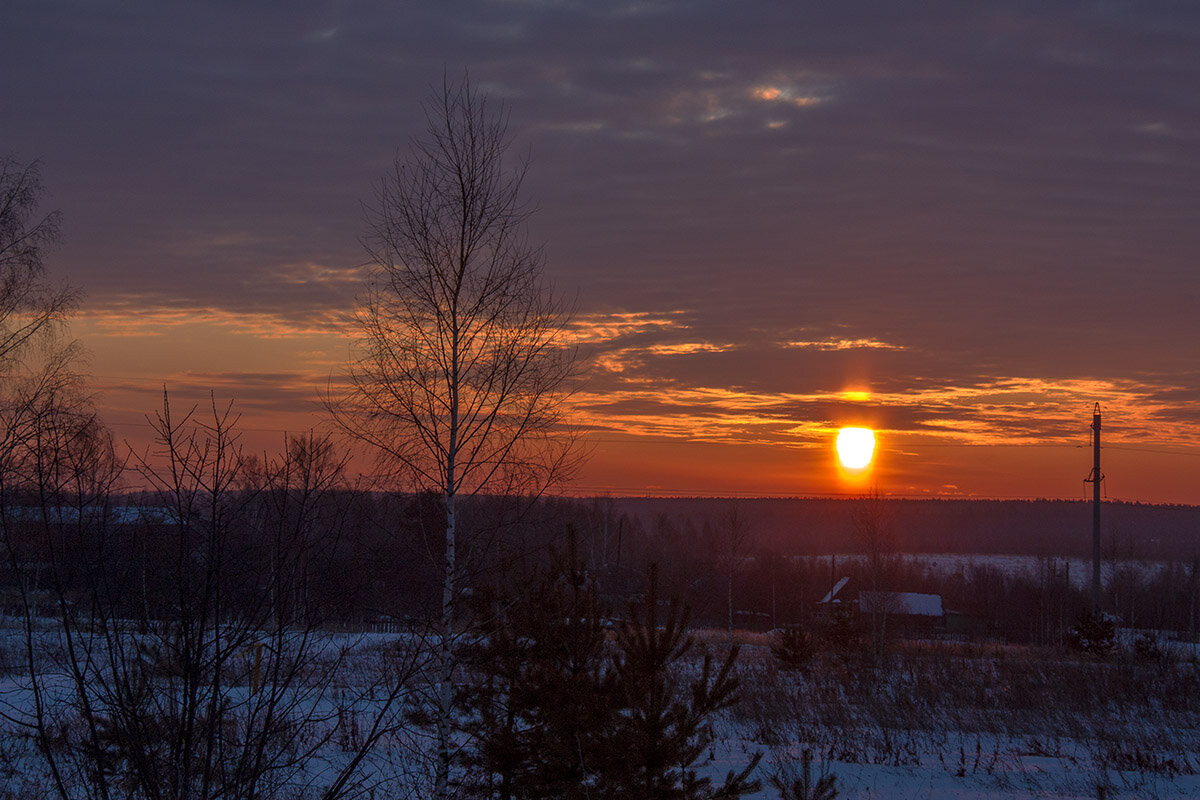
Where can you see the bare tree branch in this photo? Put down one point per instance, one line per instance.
(461, 374)
(29, 304)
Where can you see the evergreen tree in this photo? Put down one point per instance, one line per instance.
(543, 696)
(664, 728)
(793, 647)
(557, 710)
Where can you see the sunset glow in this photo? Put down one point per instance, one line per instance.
(855, 447)
(762, 247)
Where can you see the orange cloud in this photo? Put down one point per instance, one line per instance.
(686, 348)
(656, 389)
(133, 320)
(600, 327)
(786, 94)
(844, 344)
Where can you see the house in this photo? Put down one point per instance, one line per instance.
(908, 613)
(904, 604)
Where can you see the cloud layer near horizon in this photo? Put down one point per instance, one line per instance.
(980, 217)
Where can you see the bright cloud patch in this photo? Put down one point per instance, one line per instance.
(137, 321)
(687, 348)
(1006, 411)
(789, 95)
(601, 327)
(843, 344)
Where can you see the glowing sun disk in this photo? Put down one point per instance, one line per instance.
(855, 447)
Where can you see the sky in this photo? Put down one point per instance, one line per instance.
(960, 224)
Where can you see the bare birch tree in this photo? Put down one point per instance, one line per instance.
(29, 304)
(736, 540)
(461, 372)
(39, 380)
(877, 538)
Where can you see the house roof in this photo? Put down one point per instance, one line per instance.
(829, 598)
(911, 603)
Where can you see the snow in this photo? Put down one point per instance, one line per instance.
(940, 725)
(1077, 570)
(832, 593)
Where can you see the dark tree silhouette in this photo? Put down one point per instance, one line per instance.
(543, 696)
(461, 376)
(183, 660)
(560, 709)
(665, 726)
(29, 304)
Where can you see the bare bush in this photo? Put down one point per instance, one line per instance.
(168, 648)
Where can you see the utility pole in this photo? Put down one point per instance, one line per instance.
(1095, 478)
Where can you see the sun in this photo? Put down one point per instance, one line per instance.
(855, 447)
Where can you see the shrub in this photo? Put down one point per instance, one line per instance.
(1093, 633)
(1145, 648)
(793, 647)
(556, 710)
(802, 786)
(841, 631)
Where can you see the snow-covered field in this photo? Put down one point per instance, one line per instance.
(952, 721)
(1077, 570)
(933, 721)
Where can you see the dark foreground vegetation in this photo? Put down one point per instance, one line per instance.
(1010, 720)
(369, 559)
(188, 640)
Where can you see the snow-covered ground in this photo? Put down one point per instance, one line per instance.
(1077, 570)
(1004, 774)
(934, 722)
(953, 721)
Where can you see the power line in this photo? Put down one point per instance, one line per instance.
(1192, 453)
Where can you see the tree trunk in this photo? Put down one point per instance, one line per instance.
(445, 694)
(729, 588)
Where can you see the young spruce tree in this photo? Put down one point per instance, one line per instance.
(663, 730)
(543, 697)
(559, 709)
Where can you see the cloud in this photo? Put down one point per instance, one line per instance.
(324, 35)
(981, 216)
(785, 95)
(843, 344)
(599, 327)
(686, 348)
(997, 411)
(134, 319)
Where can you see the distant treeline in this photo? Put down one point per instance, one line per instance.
(1035, 527)
(365, 557)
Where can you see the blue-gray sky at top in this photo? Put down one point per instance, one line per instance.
(952, 205)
